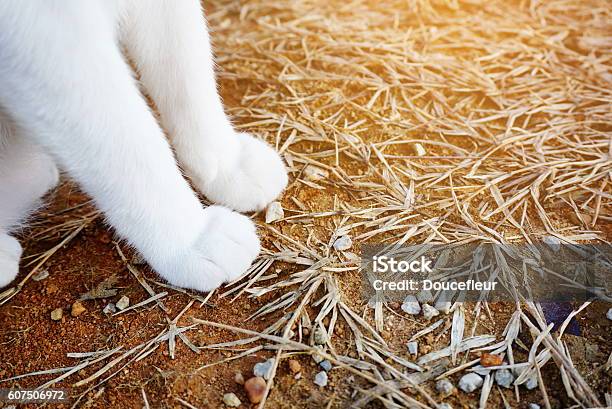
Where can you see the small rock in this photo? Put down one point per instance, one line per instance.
(298, 376)
(294, 366)
(110, 309)
(321, 379)
(274, 212)
(320, 336)
(57, 314)
(77, 309)
(41, 275)
(411, 305)
(445, 387)
(264, 369)
(424, 296)
(609, 314)
(317, 358)
(445, 301)
(231, 400)
(531, 383)
(553, 242)
(444, 406)
(51, 289)
(255, 388)
(326, 365)
(315, 173)
(413, 347)
(470, 382)
(504, 378)
(429, 312)
(239, 378)
(481, 370)
(533, 406)
(123, 303)
(491, 359)
(343, 243)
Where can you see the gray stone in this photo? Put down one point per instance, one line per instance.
(109, 309)
(320, 336)
(326, 365)
(532, 383)
(533, 406)
(411, 305)
(429, 312)
(470, 382)
(504, 378)
(445, 387)
(123, 303)
(321, 378)
(231, 400)
(609, 314)
(343, 243)
(264, 369)
(413, 347)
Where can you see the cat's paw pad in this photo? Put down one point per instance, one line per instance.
(256, 179)
(10, 253)
(224, 251)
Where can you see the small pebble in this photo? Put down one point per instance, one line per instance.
(411, 305)
(239, 378)
(41, 275)
(424, 296)
(413, 347)
(326, 365)
(315, 173)
(77, 309)
(470, 382)
(491, 359)
(264, 369)
(481, 370)
(444, 406)
(57, 314)
(109, 309)
(445, 387)
(609, 314)
(123, 303)
(429, 312)
(343, 243)
(321, 379)
(255, 388)
(231, 400)
(274, 212)
(533, 406)
(504, 378)
(532, 383)
(320, 336)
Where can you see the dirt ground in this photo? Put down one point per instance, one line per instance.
(263, 49)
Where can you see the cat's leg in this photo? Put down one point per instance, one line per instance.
(64, 81)
(26, 174)
(169, 43)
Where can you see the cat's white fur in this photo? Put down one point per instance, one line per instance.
(69, 98)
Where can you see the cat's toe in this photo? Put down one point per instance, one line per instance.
(10, 253)
(223, 252)
(257, 179)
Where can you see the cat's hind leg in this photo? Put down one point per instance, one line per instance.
(169, 43)
(26, 174)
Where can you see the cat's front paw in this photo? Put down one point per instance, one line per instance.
(10, 253)
(224, 251)
(256, 178)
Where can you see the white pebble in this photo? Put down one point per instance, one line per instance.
(533, 406)
(314, 173)
(326, 365)
(231, 400)
(413, 347)
(470, 382)
(123, 303)
(264, 369)
(274, 212)
(609, 314)
(504, 378)
(411, 305)
(532, 383)
(429, 312)
(321, 378)
(109, 309)
(343, 243)
(444, 406)
(445, 387)
(320, 336)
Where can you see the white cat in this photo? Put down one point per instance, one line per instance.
(68, 98)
